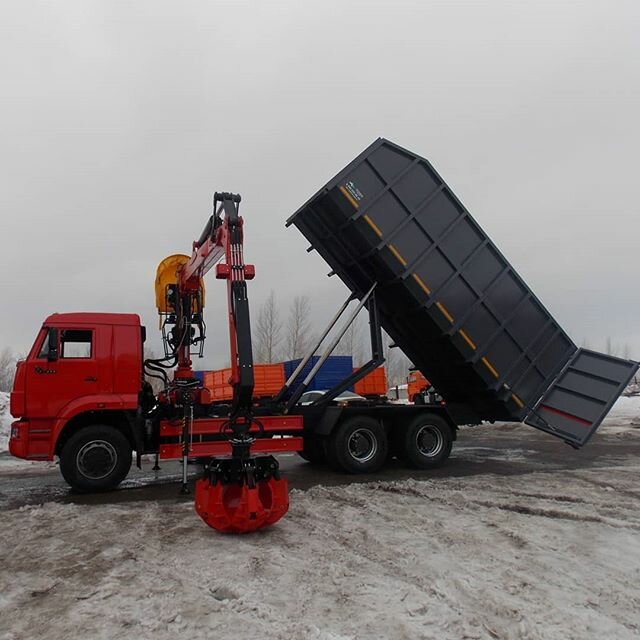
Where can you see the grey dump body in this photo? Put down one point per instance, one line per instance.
(452, 302)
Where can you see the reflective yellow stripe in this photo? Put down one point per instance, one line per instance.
(396, 253)
(445, 313)
(467, 339)
(349, 197)
(372, 224)
(489, 366)
(517, 400)
(418, 279)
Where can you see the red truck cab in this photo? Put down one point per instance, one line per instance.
(83, 370)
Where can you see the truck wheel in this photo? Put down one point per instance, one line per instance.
(313, 450)
(426, 442)
(358, 445)
(95, 458)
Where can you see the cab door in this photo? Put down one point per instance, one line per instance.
(62, 369)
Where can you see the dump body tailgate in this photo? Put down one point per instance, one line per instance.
(576, 402)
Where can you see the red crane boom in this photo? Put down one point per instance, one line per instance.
(242, 492)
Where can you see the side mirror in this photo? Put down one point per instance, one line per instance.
(52, 354)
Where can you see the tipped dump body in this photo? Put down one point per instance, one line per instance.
(448, 297)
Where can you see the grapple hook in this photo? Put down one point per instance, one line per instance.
(240, 495)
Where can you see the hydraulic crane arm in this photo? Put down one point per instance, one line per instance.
(225, 237)
(180, 299)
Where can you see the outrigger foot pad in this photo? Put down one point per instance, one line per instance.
(240, 495)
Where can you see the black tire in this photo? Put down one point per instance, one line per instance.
(95, 458)
(313, 450)
(426, 442)
(358, 445)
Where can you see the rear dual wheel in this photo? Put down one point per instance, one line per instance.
(425, 442)
(357, 445)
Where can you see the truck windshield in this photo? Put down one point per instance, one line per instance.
(44, 349)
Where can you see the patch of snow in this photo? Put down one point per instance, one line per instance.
(536, 556)
(10, 465)
(627, 407)
(484, 454)
(624, 416)
(633, 388)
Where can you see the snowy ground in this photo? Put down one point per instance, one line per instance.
(463, 558)
(537, 554)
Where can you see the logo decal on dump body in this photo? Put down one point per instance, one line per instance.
(352, 193)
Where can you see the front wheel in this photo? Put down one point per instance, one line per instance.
(426, 442)
(95, 458)
(358, 445)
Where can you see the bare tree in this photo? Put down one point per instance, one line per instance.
(267, 332)
(298, 327)
(7, 369)
(396, 363)
(351, 343)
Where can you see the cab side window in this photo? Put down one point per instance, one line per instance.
(76, 343)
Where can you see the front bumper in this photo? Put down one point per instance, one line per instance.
(19, 439)
(31, 439)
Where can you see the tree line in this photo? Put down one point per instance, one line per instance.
(8, 361)
(287, 335)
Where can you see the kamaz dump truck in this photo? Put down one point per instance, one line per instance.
(411, 254)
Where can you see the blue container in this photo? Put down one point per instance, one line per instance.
(333, 371)
(199, 375)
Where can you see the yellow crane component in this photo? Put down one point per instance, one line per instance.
(167, 274)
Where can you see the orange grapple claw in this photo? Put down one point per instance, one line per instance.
(239, 508)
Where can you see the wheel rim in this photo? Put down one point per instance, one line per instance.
(97, 459)
(363, 445)
(429, 441)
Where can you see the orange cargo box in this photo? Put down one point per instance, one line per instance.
(416, 384)
(268, 380)
(373, 384)
(218, 384)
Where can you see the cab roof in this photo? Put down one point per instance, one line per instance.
(93, 318)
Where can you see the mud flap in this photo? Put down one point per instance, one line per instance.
(577, 401)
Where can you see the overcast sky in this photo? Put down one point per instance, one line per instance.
(120, 119)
